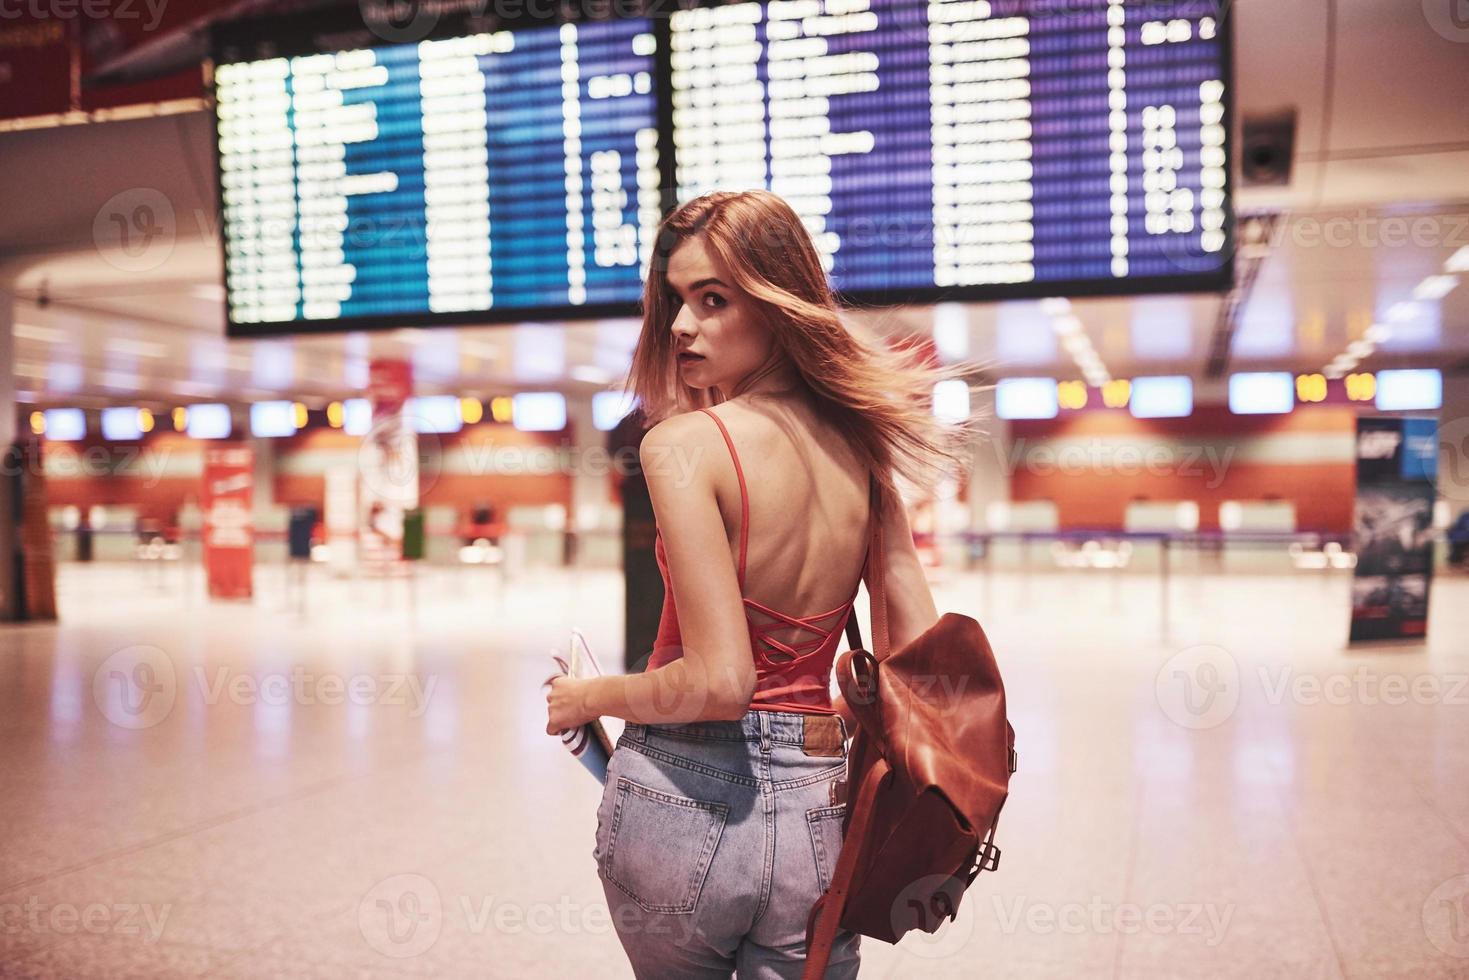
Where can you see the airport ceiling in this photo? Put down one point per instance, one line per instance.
(1378, 202)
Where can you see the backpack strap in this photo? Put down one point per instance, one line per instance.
(872, 571)
(825, 916)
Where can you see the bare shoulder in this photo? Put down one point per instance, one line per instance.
(676, 439)
(684, 429)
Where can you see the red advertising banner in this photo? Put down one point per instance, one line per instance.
(229, 532)
(143, 51)
(35, 66)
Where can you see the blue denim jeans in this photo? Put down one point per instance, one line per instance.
(715, 838)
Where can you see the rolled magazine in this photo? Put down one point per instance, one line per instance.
(589, 742)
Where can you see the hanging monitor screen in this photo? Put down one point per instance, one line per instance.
(969, 149)
(936, 149)
(488, 176)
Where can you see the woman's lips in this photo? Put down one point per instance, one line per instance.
(690, 358)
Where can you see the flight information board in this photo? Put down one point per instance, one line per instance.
(508, 171)
(947, 144)
(936, 149)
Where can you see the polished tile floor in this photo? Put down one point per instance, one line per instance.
(191, 789)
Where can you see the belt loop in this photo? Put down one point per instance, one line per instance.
(636, 732)
(764, 730)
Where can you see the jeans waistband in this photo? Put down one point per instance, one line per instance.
(756, 725)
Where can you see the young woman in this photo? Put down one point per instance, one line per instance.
(720, 824)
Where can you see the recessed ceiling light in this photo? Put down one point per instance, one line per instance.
(483, 350)
(136, 348)
(1435, 287)
(593, 375)
(1401, 312)
(194, 388)
(46, 335)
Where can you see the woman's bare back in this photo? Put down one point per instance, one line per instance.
(808, 496)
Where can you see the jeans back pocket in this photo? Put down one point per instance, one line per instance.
(660, 846)
(825, 823)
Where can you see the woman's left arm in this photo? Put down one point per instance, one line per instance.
(683, 461)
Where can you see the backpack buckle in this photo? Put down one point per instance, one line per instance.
(986, 858)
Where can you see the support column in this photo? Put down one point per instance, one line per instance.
(591, 484)
(989, 481)
(9, 485)
(388, 465)
(8, 415)
(1453, 443)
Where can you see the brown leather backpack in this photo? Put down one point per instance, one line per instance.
(928, 770)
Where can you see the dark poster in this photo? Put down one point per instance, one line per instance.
(1397, 462)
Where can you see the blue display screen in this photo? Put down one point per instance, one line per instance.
(936, 149)
(513, 170)
(959, 143)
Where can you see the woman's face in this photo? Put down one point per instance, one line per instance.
(717, 334)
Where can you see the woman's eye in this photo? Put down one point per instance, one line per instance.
(713, 300)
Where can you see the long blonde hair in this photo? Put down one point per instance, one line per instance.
(879, 396)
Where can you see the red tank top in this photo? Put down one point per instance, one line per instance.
(788, 677)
